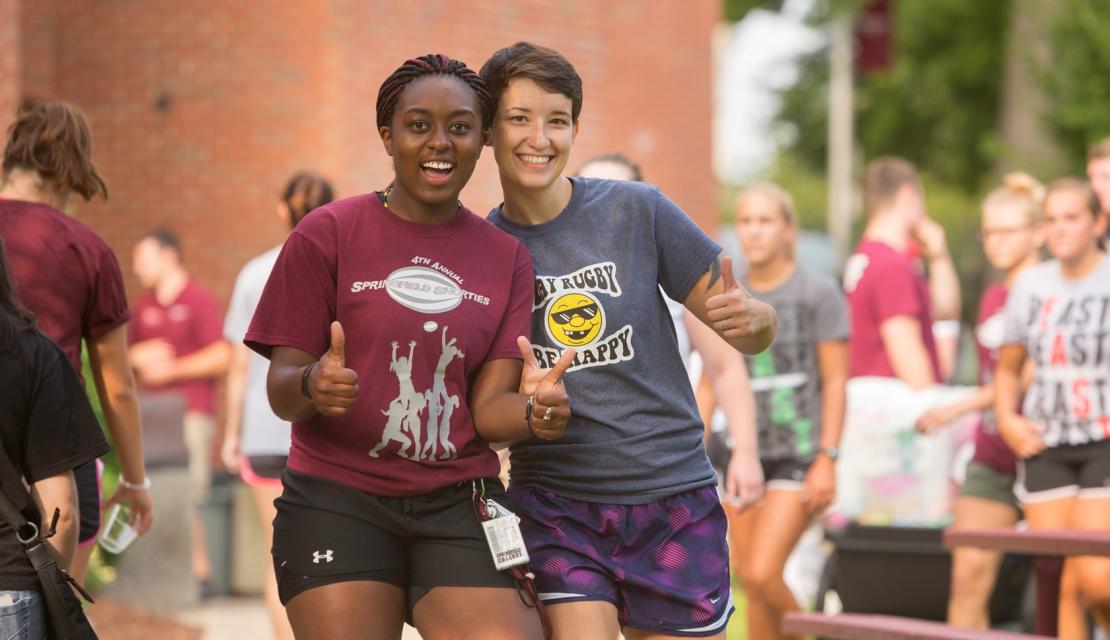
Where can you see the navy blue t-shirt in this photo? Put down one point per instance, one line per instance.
(636, 435)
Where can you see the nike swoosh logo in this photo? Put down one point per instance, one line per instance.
(715, 600)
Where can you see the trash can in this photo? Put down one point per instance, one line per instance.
(216, 513)
(906, 571)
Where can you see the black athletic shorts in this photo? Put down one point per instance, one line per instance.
(778, 473)
(269, 467)
(785, 473)
(1081, 470)
(327, 532)
(88, 500)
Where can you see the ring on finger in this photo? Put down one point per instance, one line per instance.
(547, 414)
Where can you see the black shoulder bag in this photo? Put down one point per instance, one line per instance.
(65, 619)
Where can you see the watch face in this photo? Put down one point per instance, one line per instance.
(831, 452)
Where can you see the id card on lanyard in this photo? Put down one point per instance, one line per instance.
(502, 529)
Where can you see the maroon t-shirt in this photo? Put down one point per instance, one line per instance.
(881, 284)
(65, 274)
(423, 307)
(190, 323)
(990, 327)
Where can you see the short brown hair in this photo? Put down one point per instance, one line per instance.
(1078, 186)
(885, 176)
(1100, 150)
(546, 67)
(52, 139)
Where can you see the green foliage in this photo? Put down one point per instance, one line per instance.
(102, 570)
(938, 102)
(735, 10)
(1075, 81)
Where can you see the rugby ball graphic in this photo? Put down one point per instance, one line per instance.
(423, 289)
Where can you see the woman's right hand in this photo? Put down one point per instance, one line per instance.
(1021, 434)
(332, 386)
(229, 452)
(937, 418)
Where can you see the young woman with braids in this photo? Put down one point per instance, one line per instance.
(391, 320)
(256, 442)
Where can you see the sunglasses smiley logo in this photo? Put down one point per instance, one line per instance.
(575, 319)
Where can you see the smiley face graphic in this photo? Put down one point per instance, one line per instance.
(575, 319)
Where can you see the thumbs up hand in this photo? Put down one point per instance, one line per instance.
(734, 313)
(333, 387)
(551, 405)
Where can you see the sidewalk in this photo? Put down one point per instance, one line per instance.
(240, 618)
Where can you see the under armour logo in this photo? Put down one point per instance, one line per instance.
(317, 557)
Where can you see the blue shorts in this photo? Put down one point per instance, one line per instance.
(663, 565)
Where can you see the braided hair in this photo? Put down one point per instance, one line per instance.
(303, 193)
(430, 64)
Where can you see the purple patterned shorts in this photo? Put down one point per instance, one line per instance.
(663, 565)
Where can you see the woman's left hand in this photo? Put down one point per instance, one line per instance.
(735, 313)
(820, 487)
(550, 413)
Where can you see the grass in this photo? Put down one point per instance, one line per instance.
(737, 626)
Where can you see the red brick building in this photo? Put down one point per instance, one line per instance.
(200, 109)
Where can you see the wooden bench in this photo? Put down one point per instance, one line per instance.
(1036, 542)
(863, 626)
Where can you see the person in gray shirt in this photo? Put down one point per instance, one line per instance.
(799, 386)
(621, 515)
(1058, 318)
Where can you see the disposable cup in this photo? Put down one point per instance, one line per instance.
(118, 533)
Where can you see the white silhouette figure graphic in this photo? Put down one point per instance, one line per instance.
(441, 405)
(404, 410)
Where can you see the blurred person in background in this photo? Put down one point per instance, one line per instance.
(1058, 317)
(893, 304)
(397, 379)
(799, 388)
(631, 475)
(177, 347)
(722, 377)
(47, 429)
(256, 442)
(1098, 172)
(69, 278)
(1012, 240)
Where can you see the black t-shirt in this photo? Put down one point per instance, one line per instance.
(46, 427)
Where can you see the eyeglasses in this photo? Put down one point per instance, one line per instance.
(586, 312)
(1000, 232)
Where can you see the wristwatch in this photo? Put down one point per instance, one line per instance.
(832, 452)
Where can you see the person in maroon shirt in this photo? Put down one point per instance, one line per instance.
(78, 292)
(177, 347)
(892, 303)
(395, 323)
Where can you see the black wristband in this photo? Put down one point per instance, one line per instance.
(528, 413)
(304, 380)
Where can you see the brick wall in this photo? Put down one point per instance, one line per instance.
(201, 108)
(9, 61)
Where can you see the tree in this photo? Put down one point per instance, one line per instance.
(1075, 77)
(936, 105)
